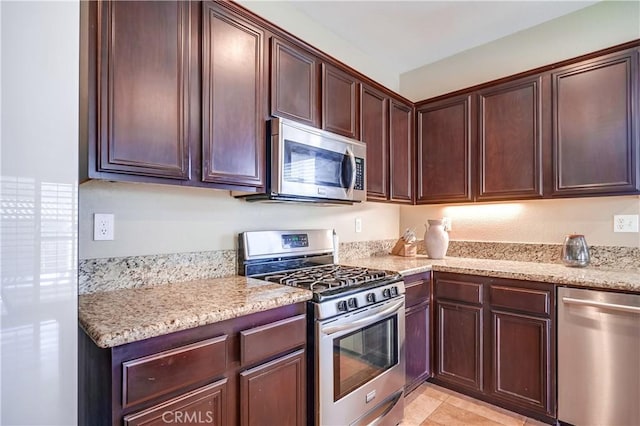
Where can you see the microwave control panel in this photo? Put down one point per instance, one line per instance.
(359, 174)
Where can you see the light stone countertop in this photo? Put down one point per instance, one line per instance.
(117, 317)
(589, 277)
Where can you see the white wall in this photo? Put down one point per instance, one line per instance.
(545, 221)
(286, 16)
(536, 221)
(155, 219)
(39, 172)
(602, 25)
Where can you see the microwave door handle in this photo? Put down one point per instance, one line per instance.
(352, 160)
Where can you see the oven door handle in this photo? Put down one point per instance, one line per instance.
(332, 329)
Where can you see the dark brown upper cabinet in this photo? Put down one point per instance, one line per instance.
(233, 89)
(401, 142)
(141, 97)
(386, 125)
(295, 85)
(444, 157)
(510, 140)
(374, 131)
(340, 93)
(595, 126)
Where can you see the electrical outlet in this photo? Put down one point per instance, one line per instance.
(103, 227)
(358, 224)
(446, 223)
(625, 223)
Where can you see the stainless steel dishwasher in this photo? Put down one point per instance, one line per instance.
(598, 357)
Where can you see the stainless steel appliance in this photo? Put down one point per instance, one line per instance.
(598, 357)
(355, 322)
(575, 251)
(309, 164)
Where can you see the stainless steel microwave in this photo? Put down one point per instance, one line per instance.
(306, 164)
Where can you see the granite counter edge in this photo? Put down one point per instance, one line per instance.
(108, 338)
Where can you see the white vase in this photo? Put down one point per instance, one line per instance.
(436, 239)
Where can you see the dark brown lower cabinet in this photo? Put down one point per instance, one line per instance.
(459, 345)
(495, 341)
(520, 379)
(417, 346)
(207, 405)
(274, 391)
(417, 330)
(249, 370)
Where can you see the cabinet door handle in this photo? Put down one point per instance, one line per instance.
(593, 303)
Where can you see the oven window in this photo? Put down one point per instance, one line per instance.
(363, 355)
(312, 165)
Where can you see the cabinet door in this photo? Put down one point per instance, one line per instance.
(274, 393)
(521, 335)
(233, 127)
(510, 141)
(294, 83)
(595, 126)
(402, 152)
(520, 360)
(417, 329)
(204, 405)
(339, 102)
(459, 350)
(444, 151)
(143, 84)
(374, 131)
(417, 347)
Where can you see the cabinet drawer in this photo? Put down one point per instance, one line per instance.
(206, 405)
(259, 343)
(155, 375)
(458, 290)
(521, 299)
(416, 291)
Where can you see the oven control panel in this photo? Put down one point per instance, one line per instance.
(359, 300)
(295, 241)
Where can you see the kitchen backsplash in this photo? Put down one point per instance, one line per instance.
(601, 256)
(142, 271)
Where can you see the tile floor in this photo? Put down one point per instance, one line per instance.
(433, 405)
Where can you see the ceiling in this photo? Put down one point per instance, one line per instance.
(408, 34)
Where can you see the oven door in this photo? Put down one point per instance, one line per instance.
(312, 163)
(360, 363)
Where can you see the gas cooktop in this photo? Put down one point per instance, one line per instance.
(326, 277)
(307, 259)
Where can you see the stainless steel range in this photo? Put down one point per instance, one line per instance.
(356, 325)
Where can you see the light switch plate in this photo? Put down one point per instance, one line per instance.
(625, 223)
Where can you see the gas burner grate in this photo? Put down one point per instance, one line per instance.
(326, 277)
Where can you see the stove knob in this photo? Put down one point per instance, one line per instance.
(353, 303)
(342, 305)
(371, 298)
(394, 291)
(386, 293)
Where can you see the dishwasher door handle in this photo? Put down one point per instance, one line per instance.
(593, 303)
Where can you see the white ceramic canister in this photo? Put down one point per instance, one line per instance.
(436, 239)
